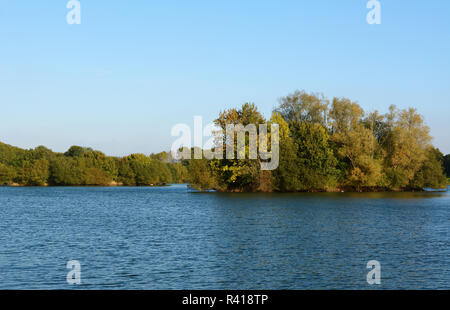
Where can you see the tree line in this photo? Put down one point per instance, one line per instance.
(81, 166)
(323, 146)
(329, 146)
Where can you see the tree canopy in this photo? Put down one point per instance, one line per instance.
(82, 166)
(333, 147)
(322, 147)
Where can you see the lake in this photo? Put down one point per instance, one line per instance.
(173, 238)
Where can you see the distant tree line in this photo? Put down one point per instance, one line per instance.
(81, 166)
(324, 146)
(329, 146)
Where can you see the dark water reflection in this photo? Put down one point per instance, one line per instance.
(170, 238)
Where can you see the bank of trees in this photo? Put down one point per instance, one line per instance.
(323, 146)
(328, 146)
(81, 166)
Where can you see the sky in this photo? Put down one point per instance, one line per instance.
(119, 81)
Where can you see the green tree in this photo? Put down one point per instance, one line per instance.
(320, 148)
(303, 107)
(179, 172)
(239, 174)
(160, 172)
(10, 155)
(202, 175)
(406, 146)
(38, 173)
(126, 174)
(355, 145)
(287, 177)
(94, 176)
(41, 152)
(431, 173)
(447, 165)
(65, 171)
(163, 157)
(77, 151)
(315, 156)
(7, 174)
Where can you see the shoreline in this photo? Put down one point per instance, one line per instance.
(105, 185)
(332, 190)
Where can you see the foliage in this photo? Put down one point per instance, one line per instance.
(303, 107)
(81, 166)
(330, 148)
(321, 148)
(287, 177)
(355, 145)
(201, 174)
(316, 159)
(431, 173)
(238, 174)
(7, 174)
(447, 165)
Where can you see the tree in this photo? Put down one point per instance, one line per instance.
(126, 174)
(303, 107)
(160, 172)
(41, 152)
(202, 175)
(10, 155)
(447, 165)
(77, 151)
(406, 146)
(431, 173)
(356, 145)
(239, 174)
(345, 115)
(94, 176)
(377, 123)
(179, 172)
(38, 173)
(320, 148)
(140, 165)
(7, 174)
(162, 156)
(66, 172)
(315, 156)
(287, 177)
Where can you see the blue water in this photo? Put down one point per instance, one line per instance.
(171, 238)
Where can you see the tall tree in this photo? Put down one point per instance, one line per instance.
(315, 157)
(355, 144)
(287, 177)
(239, 174)
(301, 106)
(406, 146)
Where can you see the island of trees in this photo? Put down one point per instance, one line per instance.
(324, 146)
(330, 147)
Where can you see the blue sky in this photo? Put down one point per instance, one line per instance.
(119, 81)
